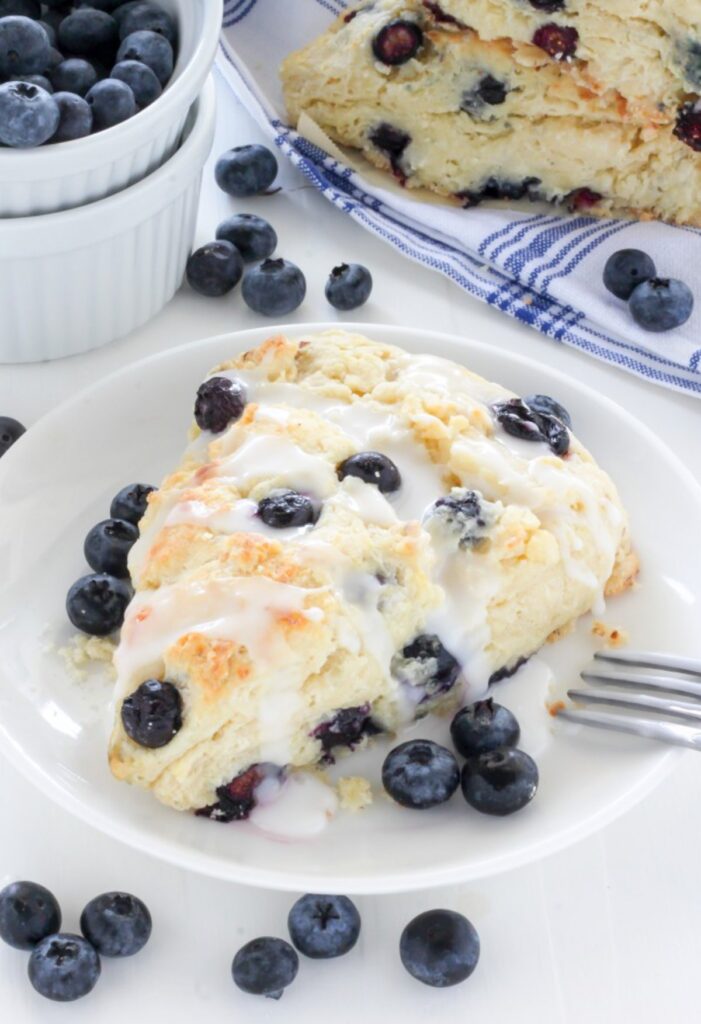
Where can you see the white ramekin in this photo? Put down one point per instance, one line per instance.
(78, 279)
(71, 174)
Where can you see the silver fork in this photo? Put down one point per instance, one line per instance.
(669, 689)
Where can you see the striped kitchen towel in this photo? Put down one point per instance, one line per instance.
(542, 268)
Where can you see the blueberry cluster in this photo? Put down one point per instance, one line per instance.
(62, 966)
(69, 69)
(273, 286)
(655, 303)
(496, 778)
(536, 418)
(96, 603)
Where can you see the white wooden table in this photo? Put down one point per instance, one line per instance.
(605, 932)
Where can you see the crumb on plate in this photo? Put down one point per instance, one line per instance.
(611, 635)
(83, 652)
(354, 792)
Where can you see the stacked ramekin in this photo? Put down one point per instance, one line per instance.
(95, 233)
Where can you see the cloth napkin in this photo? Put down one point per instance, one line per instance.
(534, 264)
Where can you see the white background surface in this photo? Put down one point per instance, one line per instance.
(604, 932)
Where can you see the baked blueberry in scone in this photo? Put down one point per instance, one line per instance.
(360, 537)
(583, 103)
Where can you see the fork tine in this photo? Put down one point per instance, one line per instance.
(652, 659)
(688, 710)
(666, 732)
(644, 680)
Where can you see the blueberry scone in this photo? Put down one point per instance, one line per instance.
(577, 102)
(355, 537)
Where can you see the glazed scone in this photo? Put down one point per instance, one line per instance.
(471, 117)
(297, 607)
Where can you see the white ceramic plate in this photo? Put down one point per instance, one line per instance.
(58, 481)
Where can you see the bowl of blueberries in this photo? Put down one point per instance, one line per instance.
(94, 94)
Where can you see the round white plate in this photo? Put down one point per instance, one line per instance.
(58, 480)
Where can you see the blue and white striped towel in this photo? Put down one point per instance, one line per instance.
(541, 268)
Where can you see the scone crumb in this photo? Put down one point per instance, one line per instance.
(611, 635)
(562, 631)
(555, 707)
(354, 792)
(82, 652)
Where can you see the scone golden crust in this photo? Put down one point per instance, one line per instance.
(286, 641)
(587, 106)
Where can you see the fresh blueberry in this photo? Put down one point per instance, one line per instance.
(50, 32)
(392, 142)
(22, 8)
(151, 49)
(116, 924)
(688, 126)
(426, 665)
(440, 948)
(483, 727)
(96, 604)
(111, 102)
(349, 286)
(237, 798)
(131, 502)
(220, 401)
(274, 287)
(344, 729)
(140, 79)
(284, 508)
(661, 304)
(55, 58)
(214, 269)
(560, 41)
(10, 431)
(86, 30)
(499, 782)
(265, 967)
(625, 270)
(374, 468)
(254, 238)
(28, 913)
(123, 9)
(29, 115)
(76, 117)
(544, 405)
(150, 17)
(463, 515)
(153, 714)
(246, 171)
(39, 80)
(24, 47)
(397, 42)
(488, 90)
(420, 774)
(323, 927)
(108, 544)
(64, 967)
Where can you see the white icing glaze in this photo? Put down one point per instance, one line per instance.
(242, 517)
(298, 808)
(268, 455)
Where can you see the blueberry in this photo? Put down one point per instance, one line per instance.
(116, 924)
(151, 17)
(151, 49)
(661, 304)
(96, 604)
(55, 58)
(483, 727)
(131, 502)
(112, 102)
(526, 423)
(75, 75)
(10, 431)
(101, 5)
(582, 199)
(625, 270)
(560, 41)
(440, 948)
(153, 714)
(50, 32)
(692, 63)
(344, 729)
(427, 665)
(274, 287)
(374, 468)
(220, 401)
(22, 8)
(688, 126)
(547, 406)
(548, 5)
(29, 116)
(254, 238)
(392, 142)
(86, 30)
(323, 927)
(283, 508)
(237, 798)
(265, 967)
(349, 286)
(64, 967)
(397, 42)
(440, 15)
(140, 79)
(420, 774)
(488, 90)
(463, 515)
(76, 117)
(499, 782)
(108, 544)
(24, 47)
(28, 913)
(214, 269)
(39, 80)
(246, 171)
